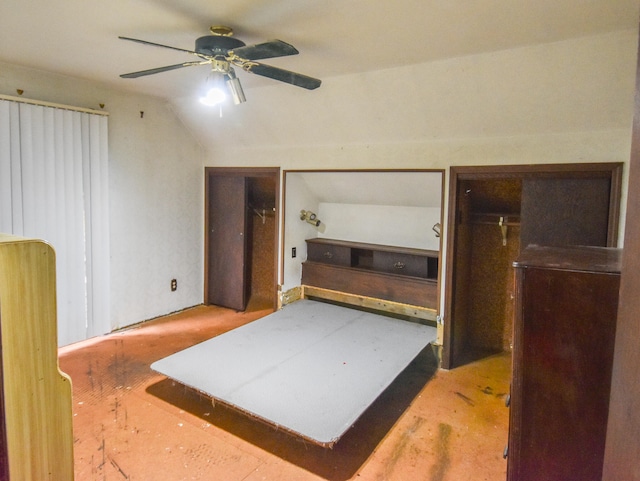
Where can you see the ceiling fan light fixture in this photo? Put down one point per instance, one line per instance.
(213, 97)
(237, 94)
(214, 90)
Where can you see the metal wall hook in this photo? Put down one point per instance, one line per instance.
(503, 228)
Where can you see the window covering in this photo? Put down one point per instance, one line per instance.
(54, 186)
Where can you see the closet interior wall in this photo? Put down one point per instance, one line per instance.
(492, 227)
(261, 251)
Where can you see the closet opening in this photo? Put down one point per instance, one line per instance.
(494, 212)
(241, 235)
(261, 250)
(489, 243)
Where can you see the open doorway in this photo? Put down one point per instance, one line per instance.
(241, 235)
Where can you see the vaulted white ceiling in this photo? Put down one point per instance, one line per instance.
(335, 37)
(408, 189)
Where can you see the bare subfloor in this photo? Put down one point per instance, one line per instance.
(131, 423)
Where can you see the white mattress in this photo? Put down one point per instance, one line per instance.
(311, 368)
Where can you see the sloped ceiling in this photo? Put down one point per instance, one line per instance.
(409, 189)
(352, 46)
(80, 37)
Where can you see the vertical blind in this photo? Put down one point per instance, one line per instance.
(54, 186)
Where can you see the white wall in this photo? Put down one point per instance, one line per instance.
(155, 189)
(563, 102)
(569, 101)
(298, 197)
(404, 226)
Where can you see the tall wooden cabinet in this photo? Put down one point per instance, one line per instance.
(564, 333)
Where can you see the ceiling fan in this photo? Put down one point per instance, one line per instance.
(222, 51)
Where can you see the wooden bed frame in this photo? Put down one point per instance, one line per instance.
(391, 279)
(36, 427)
(373, 303)
(310, 369)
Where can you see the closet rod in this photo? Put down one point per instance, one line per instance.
(512, 220)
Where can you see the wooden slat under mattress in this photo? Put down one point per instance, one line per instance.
(311, 368)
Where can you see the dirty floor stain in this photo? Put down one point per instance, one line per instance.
(442, 446)
(131, 423)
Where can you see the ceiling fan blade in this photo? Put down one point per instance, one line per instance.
(152, 71)
(270, 49)
(157, 45)
(276, 73)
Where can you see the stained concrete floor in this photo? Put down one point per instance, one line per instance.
(131, 423)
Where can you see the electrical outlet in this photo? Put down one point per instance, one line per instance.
(293, 252)
(174, 285)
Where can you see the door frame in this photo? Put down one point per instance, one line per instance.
(246, 172)
(612, 170)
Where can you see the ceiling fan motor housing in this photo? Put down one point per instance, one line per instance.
(217, 45)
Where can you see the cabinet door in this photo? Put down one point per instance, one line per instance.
(565, 211)
(227, 269)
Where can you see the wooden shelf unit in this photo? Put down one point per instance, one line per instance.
(397, 274)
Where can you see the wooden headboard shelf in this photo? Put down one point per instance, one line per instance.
(387, 278)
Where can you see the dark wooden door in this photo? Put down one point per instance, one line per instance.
(227, 270)
(565, 211)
